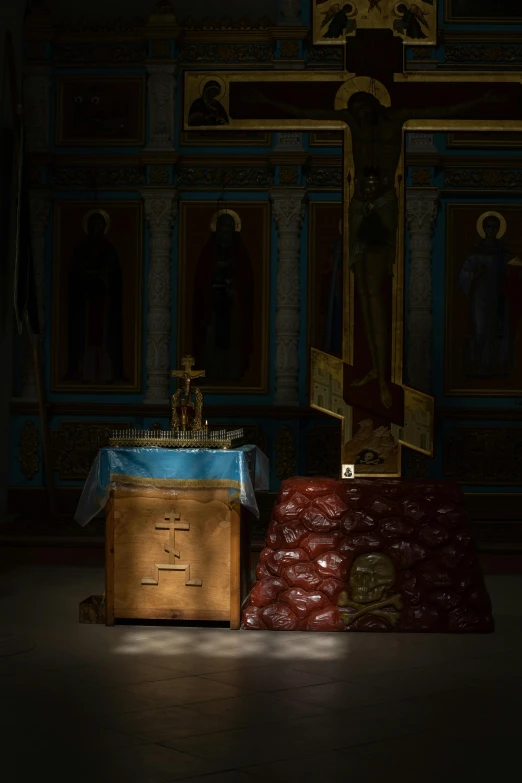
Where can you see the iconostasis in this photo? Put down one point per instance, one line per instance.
(128, 193)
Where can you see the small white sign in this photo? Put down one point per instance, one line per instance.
(348, 472)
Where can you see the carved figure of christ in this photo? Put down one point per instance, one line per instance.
(376, 132)
(187, 374)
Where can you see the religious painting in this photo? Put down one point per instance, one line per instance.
(224, 257)
(208, 108)
(483, 11)
(101, 111)
(237, 138)
(96, 328)
(325, 277)
(483, 300)
(477, 140)
(334, 21)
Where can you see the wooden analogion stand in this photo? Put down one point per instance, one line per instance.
(180, 554)
(178, 514)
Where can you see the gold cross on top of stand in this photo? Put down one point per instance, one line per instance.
(188, 374)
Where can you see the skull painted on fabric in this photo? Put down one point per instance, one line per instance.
(371, 576)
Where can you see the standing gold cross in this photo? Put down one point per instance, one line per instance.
(188, 374)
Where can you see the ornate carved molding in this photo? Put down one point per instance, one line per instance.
(103, 26)
(122, 53)
(422, 52)
(159, 175)
(286, 453)
(212, 177)
(96, 176)
(161, 89)
(484, 54)
(160, 212)
(477, 161)
(162, 25)
(107, 162)
(227, 53)
(225, 23)
(288, 210)
(325, 55)
(29, 454)
(479, 36)
(288, 175)
(325, 177)
(484, 455)
(421, 213)
(76, 444)
(483, 179)
(289, 49)
(420, 176)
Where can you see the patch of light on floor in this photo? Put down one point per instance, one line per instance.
(224, 644)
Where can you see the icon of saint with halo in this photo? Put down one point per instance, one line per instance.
(223, 305)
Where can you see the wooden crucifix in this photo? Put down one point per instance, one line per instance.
(374, 104)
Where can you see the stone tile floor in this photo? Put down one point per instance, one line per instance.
(144, 704)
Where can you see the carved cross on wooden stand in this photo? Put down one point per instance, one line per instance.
(171, 517)
(172, 523)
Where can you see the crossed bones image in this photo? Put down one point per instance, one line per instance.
(378, 609)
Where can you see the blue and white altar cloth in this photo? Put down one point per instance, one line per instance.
(240, 470)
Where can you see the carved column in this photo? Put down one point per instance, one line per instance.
(37, 107)
(162, 86)
(40, 205)
(421, 213)
(288, 211)
(160, 212)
